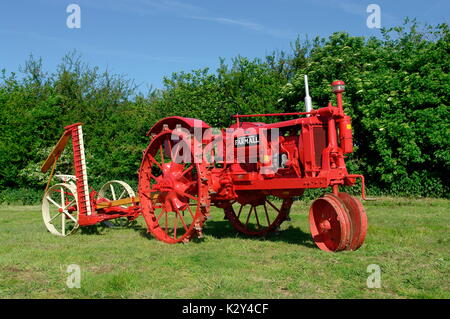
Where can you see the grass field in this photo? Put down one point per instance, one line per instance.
(408, 239)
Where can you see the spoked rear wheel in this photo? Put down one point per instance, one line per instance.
(170, 188)
(258, 216)
(60, 209)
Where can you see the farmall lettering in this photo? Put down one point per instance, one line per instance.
(251, 170)
(249, 140)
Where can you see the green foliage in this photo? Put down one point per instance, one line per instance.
(20, 196)
(34, 110)
(245, 87)
(397, 94)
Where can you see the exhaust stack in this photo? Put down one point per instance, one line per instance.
(308, 101)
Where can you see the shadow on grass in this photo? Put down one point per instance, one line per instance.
(216, 229)
(100, 228)
(97, 229)
(223, 229)
(142, 231)
(291, 235)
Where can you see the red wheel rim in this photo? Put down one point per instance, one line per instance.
(329, 223)
(358, 219)
(258, 218)
(170, 190)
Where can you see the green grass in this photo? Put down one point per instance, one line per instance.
(408, 239)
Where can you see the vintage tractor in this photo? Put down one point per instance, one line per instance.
(251, 170)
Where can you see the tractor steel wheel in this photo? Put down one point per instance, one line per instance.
(60, 209)
(358, 219)
(329, 223)
(115, 190)
(171, 192)
(257, 218)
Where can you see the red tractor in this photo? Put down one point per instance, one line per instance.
(252, 170)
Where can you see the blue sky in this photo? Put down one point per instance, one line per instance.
(148, 39)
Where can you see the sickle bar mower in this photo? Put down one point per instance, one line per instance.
(68, 205)
(253, 171)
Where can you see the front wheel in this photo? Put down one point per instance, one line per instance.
(330, 223)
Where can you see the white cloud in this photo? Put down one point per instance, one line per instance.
(253, 26)
(180, 9)
(354, 8)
